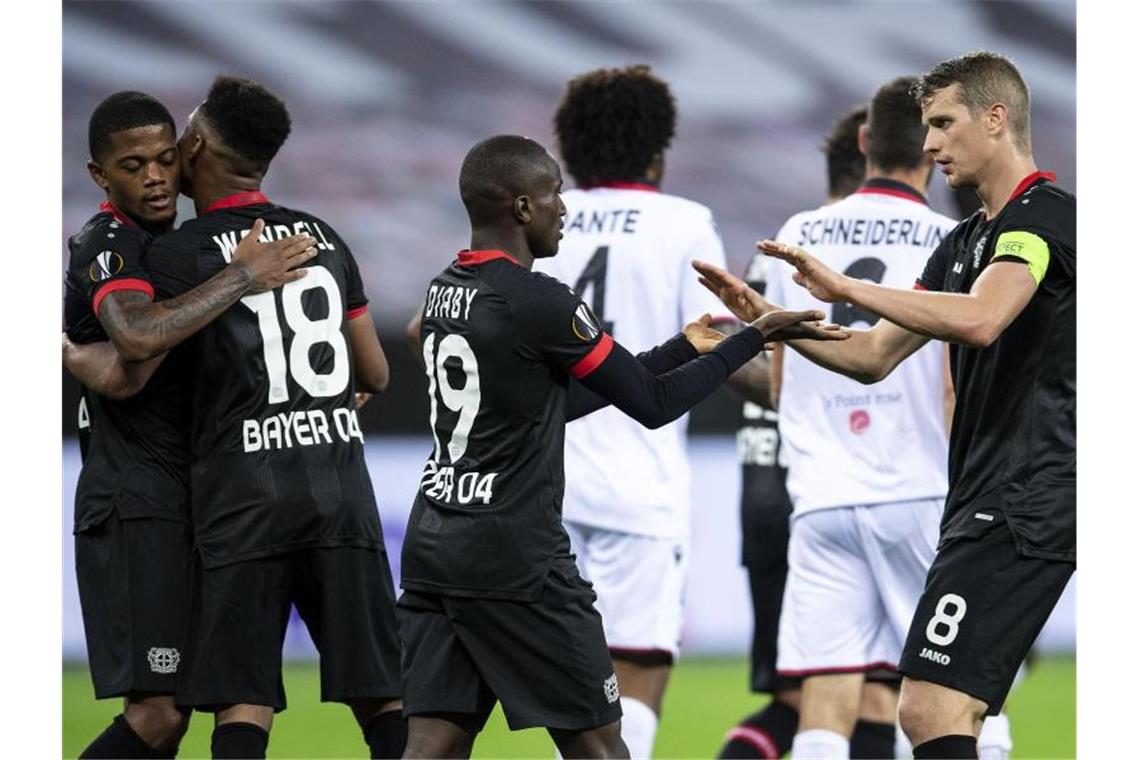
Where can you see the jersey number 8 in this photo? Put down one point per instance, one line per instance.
(306, 334)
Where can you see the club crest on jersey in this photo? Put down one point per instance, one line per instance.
(981, 246)
(105, 266)
(610, 686)
(163, 659)
(585, 324)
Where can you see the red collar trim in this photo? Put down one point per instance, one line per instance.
(238, 199)
(471, 258)
(893, 189)
(120, 217)
(626, 186)
(1025, 183)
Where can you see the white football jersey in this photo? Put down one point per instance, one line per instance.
(849, 443)
(626, 250)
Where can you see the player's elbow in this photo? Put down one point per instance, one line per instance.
(136, 347)
(373, 378)
(979, 334)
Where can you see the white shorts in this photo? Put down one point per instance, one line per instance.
(855, 575)
(640, 583)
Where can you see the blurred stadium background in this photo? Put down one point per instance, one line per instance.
(387, 98)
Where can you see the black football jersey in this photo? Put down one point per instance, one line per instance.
(135, 455)
(1013, 443)
(500, 344)
(277, 450)
(764, 468)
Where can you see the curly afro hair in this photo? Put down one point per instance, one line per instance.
(251, 120)
(612, 123)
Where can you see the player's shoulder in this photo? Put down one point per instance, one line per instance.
(103, 232)
(1045, 208)
(683, 208)
(787, 231)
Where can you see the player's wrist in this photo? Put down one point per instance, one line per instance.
(242, 272)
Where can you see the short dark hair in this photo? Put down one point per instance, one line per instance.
(985, 78)
(498, 170)
(129, 109)
(894, 123)
(249, 118)
(612, 123)
(846, 165)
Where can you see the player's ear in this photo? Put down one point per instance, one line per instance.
(190, 148)
(524, 210)
(97, 174)
(997, 118)
(863, 139)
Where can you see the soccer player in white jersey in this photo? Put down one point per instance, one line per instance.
(626, 251)
(863, 536)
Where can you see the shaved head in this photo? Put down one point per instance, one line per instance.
(500, 169)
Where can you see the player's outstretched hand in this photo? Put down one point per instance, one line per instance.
(796, 325)
(741, 300)
(271, 265)
(702, 337)
(823, 283)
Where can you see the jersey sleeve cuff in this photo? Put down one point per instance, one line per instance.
(594, 359)
(356, 312)
(127, 283)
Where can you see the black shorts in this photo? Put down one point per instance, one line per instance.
(765, 529)
(240, 612)
(134, 589)
(980, 612)
(546, 661)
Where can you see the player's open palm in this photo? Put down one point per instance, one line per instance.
(797, 325)
(271, 265)
(701, 336)
(822, 282)
(733, 292)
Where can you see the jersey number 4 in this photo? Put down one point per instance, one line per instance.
(593, 277)
(306, 334)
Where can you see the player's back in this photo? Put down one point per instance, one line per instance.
(880, 442)
(626, 251)
(135, 452)
(277, 447)
(499, 346)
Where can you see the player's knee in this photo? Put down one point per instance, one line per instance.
(158, 722)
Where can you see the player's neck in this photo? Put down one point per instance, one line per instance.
(515, 245)
(1001, 179)
(915, 179)
(208, 190)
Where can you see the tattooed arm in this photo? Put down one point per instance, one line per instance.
(100, 368)
(141, 329)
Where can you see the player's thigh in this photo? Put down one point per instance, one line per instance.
(440, 678)
(830, 617)
(900, 540)
(237, 627)
(981, 610)
(346, 597)
(546, 661)
(134, 585)
(640, 585)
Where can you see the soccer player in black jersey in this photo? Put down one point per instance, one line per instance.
(765, 509)
(1001, 287)
(494, 607)
(281, 501)
(131, 504)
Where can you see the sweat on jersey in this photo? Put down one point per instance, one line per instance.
(135, 455)
(849, 443)
(1013, 446)
(626, 251)
(278, 454)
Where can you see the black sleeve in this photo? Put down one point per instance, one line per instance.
(556, 325)
(657, 360)
(356, 303)
(657, 400)
(171, 265)
(934, 274)
(110, 259)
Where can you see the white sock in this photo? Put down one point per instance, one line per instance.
(903, 749)
(638, 727)
(817, 743)
(995, 741)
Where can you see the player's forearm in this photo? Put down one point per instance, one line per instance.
(658, 360)
(955, 317)
(101, 369)
(142, 329)
(859, 357)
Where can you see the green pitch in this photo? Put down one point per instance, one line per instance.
(705, 698)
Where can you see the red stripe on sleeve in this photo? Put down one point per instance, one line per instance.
(354, 313)
(594, 359)
(127, 283)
